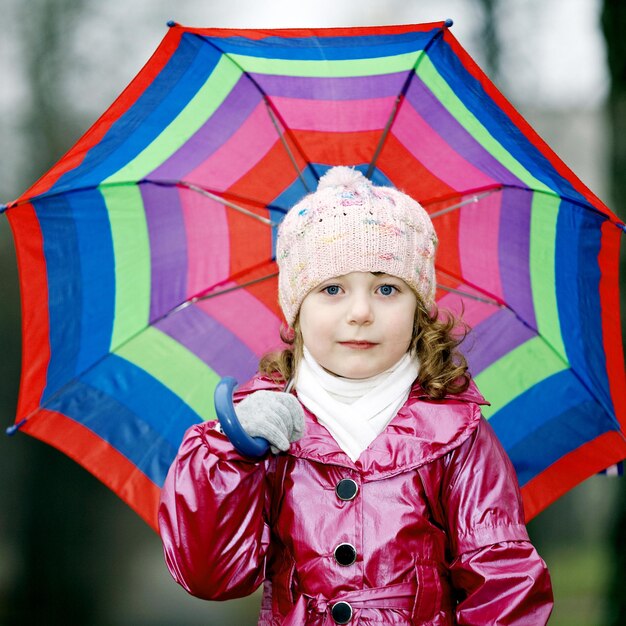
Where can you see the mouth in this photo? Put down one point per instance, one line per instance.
(358, 345)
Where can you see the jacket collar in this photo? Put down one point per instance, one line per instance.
(422, 431)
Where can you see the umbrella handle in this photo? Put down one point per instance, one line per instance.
(231, 427)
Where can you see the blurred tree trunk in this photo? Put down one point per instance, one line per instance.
(58, 530)
(613, 23)
(614, 26)
(45, 27)
(490, 40)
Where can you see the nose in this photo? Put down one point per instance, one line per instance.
(360, 310)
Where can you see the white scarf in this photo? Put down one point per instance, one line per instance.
(355, 411)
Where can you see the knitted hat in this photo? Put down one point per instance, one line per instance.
(350, 225)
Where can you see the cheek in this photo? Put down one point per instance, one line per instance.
(313, 326)
(315, 332)
(305, 320)
(403, 327)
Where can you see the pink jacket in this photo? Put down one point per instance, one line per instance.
(426, 527)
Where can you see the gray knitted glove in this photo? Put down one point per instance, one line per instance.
(273, 415)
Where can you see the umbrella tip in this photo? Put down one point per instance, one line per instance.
(171, 23)
(3, 208)
(448, 23)
(11, 430)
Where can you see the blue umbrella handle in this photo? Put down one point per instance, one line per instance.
(243, 443)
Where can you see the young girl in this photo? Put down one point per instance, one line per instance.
(387, 498)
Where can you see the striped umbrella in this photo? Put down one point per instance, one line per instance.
(146, 252)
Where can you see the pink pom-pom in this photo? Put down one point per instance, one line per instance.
(341, 176)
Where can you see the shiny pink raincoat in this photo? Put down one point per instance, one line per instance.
(432, 532)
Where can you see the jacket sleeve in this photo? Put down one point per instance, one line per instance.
(212, 517)
(497, 574)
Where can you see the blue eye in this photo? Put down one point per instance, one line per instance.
(387, 290)
(332, 290)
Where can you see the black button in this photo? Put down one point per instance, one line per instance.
(345, 554)
(341, 612)
(346, 489)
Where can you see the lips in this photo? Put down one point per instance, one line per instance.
(358, 345)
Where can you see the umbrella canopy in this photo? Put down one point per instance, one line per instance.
(146, 253)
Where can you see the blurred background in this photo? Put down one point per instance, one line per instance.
(70, 551)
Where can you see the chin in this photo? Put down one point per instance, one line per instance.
(355, 373)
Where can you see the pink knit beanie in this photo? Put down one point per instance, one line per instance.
(350, 225)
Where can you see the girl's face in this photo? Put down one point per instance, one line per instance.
(359, 324)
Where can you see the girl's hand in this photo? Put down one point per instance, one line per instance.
(273, 415)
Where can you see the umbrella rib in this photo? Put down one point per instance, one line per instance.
(221, 200)
(586, 206)
(208, 296)
(491, 297)
(399, 98)
(283, 141)
(11, 430)
(383, 138)
(275, 117)
(613, 219)
(4, 208)
(458, 205)
(536, 332)
(271, 113)
(472, 296)
(170, 183)
(220, 197)
(460, 194)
